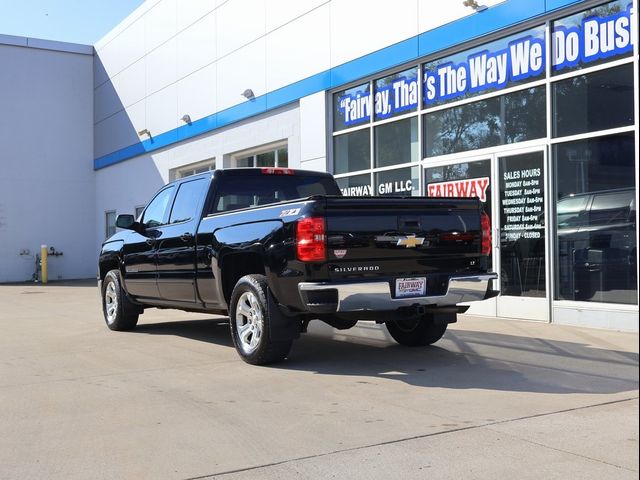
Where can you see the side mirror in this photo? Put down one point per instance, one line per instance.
(126, 221)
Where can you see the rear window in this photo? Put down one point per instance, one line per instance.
(245, 191)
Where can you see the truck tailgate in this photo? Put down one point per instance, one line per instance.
(382, 236)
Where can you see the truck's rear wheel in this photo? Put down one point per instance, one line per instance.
(119, 313)
(250, 318)
(415, 332)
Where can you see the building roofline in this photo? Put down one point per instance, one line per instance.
(42, 44)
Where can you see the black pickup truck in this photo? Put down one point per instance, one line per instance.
(275, 248)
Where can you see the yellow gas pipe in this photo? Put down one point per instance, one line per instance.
(43, 263)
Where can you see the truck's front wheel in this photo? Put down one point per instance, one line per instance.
(119, 312)
(416, 332)
(250, 319)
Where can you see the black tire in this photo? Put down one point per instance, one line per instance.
(416, 332)
(253, 343)
(124, 314)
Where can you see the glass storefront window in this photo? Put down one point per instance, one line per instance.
(594, 36)
(283, 157)
(401, 182)
(352, 107)
(597, 101)
(396, 94)
(352, 152)
(383, 134)
(503, 63)
(267, 159)
(510, 118)
(596, 220)
(396, 142)
(355, 186)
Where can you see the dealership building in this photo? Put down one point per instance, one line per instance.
(530, 105)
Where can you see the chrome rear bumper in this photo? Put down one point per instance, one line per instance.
(376, 296)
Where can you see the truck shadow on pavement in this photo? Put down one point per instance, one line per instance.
(214, 331)
(463, 359)
(471, 359)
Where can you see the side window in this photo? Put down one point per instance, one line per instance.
(188, 199)
(610, 208)
(572, 211)
(157, 211)
(244, 191)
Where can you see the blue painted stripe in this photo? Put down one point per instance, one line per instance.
(503, 15)
(297, 90)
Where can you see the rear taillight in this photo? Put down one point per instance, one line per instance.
(485, 223)
(310, 239)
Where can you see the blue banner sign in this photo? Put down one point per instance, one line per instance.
(594, 38)
(396, 94)
(355, 108)
(523, 57)
(590, 36)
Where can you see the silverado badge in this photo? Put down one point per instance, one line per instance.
(410, 242)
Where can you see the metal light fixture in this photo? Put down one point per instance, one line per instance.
(474, 4)
(248, 94)
(144, 131)
(186, 119)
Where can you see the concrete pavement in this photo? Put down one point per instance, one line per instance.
(173, 400)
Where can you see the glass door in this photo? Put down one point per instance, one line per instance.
(520, 235)
(467, 177)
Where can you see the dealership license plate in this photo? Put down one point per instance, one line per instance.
(411, 287)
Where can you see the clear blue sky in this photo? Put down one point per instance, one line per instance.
(76, 21)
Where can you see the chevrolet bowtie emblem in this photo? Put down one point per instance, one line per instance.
(410, 242)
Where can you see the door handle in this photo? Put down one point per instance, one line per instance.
(186, 237)
(150, 241)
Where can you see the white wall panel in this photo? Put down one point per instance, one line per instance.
(244, 69)
(106, 102)
(123, 50)
(359, 27)
(197, 45)
(130, 84)
(191, 11)
(280, 12)
(313, 132)
(99, 73)
(431, 16)
(299, 49)
(197, 93)
(160, 23)
(238, 23)
(161, 66)
(122, 187)
(124, 89)
(46, 134)
(162, 113)
(120, 130)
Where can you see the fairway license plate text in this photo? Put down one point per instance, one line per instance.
(411, 287)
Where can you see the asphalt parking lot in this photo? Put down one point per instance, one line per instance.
(493, 399)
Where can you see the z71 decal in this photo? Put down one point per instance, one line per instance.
(290, 212)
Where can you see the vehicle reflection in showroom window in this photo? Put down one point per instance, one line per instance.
(596, 220)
